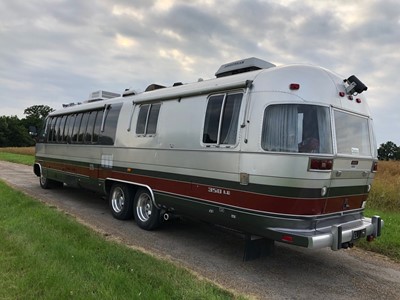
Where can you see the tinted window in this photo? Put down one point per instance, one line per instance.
(97, 127)
(110, 124)
(90, 127)
(222, 117)
(75, 130)
(297, 128)
(43, 131)
(148, 119)
(211, 124)
(153, 118)
(142, 118)
(85, 127)
(69, 125)
(60, 133)
(82, 128)
(56, 129)
(51, 132)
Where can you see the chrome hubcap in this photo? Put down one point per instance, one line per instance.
(144, 207)
(118, 200)
(42, 180)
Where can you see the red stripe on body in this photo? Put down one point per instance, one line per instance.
(218, 195)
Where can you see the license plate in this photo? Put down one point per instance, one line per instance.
(358, 234)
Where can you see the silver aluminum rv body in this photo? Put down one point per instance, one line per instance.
(241, 174)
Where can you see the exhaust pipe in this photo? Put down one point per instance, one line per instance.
(166, 216)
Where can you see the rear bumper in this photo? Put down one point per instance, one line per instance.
(336, 237)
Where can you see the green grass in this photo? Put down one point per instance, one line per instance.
(45, 254)
(389, 242)
(17, 158)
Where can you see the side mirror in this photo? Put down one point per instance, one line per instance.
(33, 131)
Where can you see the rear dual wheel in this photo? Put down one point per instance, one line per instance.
(121, 201)
(125, 203)
(147, 215)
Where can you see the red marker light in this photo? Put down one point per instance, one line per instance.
(321, 164)
(358, 100)
(287, 239)
(350, 97)
(342, 94)
(375, 166)
(294, 86)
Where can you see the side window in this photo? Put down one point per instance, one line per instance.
(44, 130)
(97, 127)
(222, 118)
(68, 128)
(296, 128)
(211, 124)
(352, 134)
(75, 130)
(148, 119)
(51, 132)
(60, 132)
(90, 127)
(142, 118)
(110, 124)
(82, 128)
(56, 129)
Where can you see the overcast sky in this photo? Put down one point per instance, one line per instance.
(58, 51)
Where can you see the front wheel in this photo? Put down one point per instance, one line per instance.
(46, 183)
(121, 202)
(147, 215)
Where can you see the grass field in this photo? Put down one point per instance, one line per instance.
(23, 155)
(385, 193)
(48, 255)
(19, 150)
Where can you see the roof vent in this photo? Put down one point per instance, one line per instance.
(243, 65)
(153, 87)
(101, 95)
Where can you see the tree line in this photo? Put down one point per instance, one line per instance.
(15, 132)
(389, 151)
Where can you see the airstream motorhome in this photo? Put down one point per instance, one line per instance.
(286, 153)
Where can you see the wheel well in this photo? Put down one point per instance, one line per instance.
(37, 169)
(133, 185)
(109, 183)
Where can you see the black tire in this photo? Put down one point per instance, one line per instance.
(46, 183)
(146, 214)
(121, 201)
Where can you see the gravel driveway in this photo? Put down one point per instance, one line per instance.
(291, 273)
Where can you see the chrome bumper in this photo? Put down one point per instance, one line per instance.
(336, 236)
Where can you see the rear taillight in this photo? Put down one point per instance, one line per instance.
(287, 239)
(374, 166)
(320, 164)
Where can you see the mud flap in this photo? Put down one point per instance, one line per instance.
(256, 247)
(377, 222)
(337, 237)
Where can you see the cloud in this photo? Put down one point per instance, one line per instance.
(59, 51)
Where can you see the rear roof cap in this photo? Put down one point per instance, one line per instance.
(243, 65)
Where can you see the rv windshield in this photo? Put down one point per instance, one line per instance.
(297, 128)
(352, 134)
